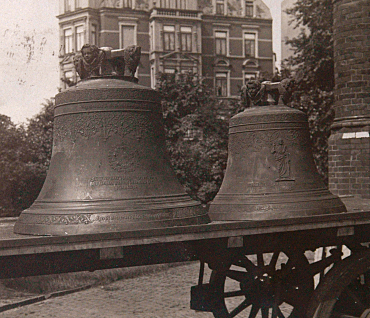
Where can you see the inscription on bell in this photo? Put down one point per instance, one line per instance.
(121, 182)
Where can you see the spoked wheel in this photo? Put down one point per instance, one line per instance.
(345, 291)
(264, 285)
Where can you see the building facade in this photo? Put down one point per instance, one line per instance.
(225, 41)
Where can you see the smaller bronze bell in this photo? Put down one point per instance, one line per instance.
(270, 170)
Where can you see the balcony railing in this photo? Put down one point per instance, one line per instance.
(176, 13)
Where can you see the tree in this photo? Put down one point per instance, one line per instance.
(196, 134)
(37, 154)
(11, 141)
(25, 153)
(313, 62)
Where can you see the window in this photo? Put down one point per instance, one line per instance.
(68, 79)
(172, 4)
(250, 44)
(94, 35)
(80, 37)
(185, 39)
(221, 85)
(221, 44)
(152, 76)
(127, 3)
(169, 71)
(68, 48)
(249, 8)
(249, 76)
(181, 4)
(220, 7)
(169, 38)
(127, 35)
(193, 133)
(68, 5)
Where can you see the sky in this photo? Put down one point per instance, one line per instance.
(29, 48)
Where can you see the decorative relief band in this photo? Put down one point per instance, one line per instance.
(287, 117)
(90, 218)
(260, 139)
(106, 124)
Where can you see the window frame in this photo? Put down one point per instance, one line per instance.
(171, 39)
(68, 6)
(127, 4)
(173, 4)
(94, 34)
(223, 78)
(121, 26)
(248, 7)
(186, 37)
(220, 40)
(249, 73)
(220, 7)
(78, 4)
(70, 40)
(254, 41)
(79, 36)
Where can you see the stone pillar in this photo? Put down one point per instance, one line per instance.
(349, 143)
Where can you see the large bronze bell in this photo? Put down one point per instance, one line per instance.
(109, 170)
(270, 170)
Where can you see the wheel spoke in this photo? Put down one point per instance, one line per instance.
(260, 261)
(276, 313)
(265, 312)
(239, 276)
(235, 293)
(247, 264)
(240, 308)
(254, 311)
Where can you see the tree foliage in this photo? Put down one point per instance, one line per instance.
(25, 153)
(196, 134)
(313, 63)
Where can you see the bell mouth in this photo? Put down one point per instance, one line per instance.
(232, 207)
(44, 220)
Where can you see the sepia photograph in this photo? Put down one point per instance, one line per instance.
(185, 158)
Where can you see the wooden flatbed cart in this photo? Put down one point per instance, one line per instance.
(259, 268)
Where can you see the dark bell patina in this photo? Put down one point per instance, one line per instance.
(109, 169)
(270, 170)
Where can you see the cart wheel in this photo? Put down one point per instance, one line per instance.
(264, 285)
(345, 290)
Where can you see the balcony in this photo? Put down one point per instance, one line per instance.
(189, 14)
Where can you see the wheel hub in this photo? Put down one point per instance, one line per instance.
(264, 288)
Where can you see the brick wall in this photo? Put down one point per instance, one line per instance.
(349, 162)
(349, 144)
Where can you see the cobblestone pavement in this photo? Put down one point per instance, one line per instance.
(159, 295)
(164, 294)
